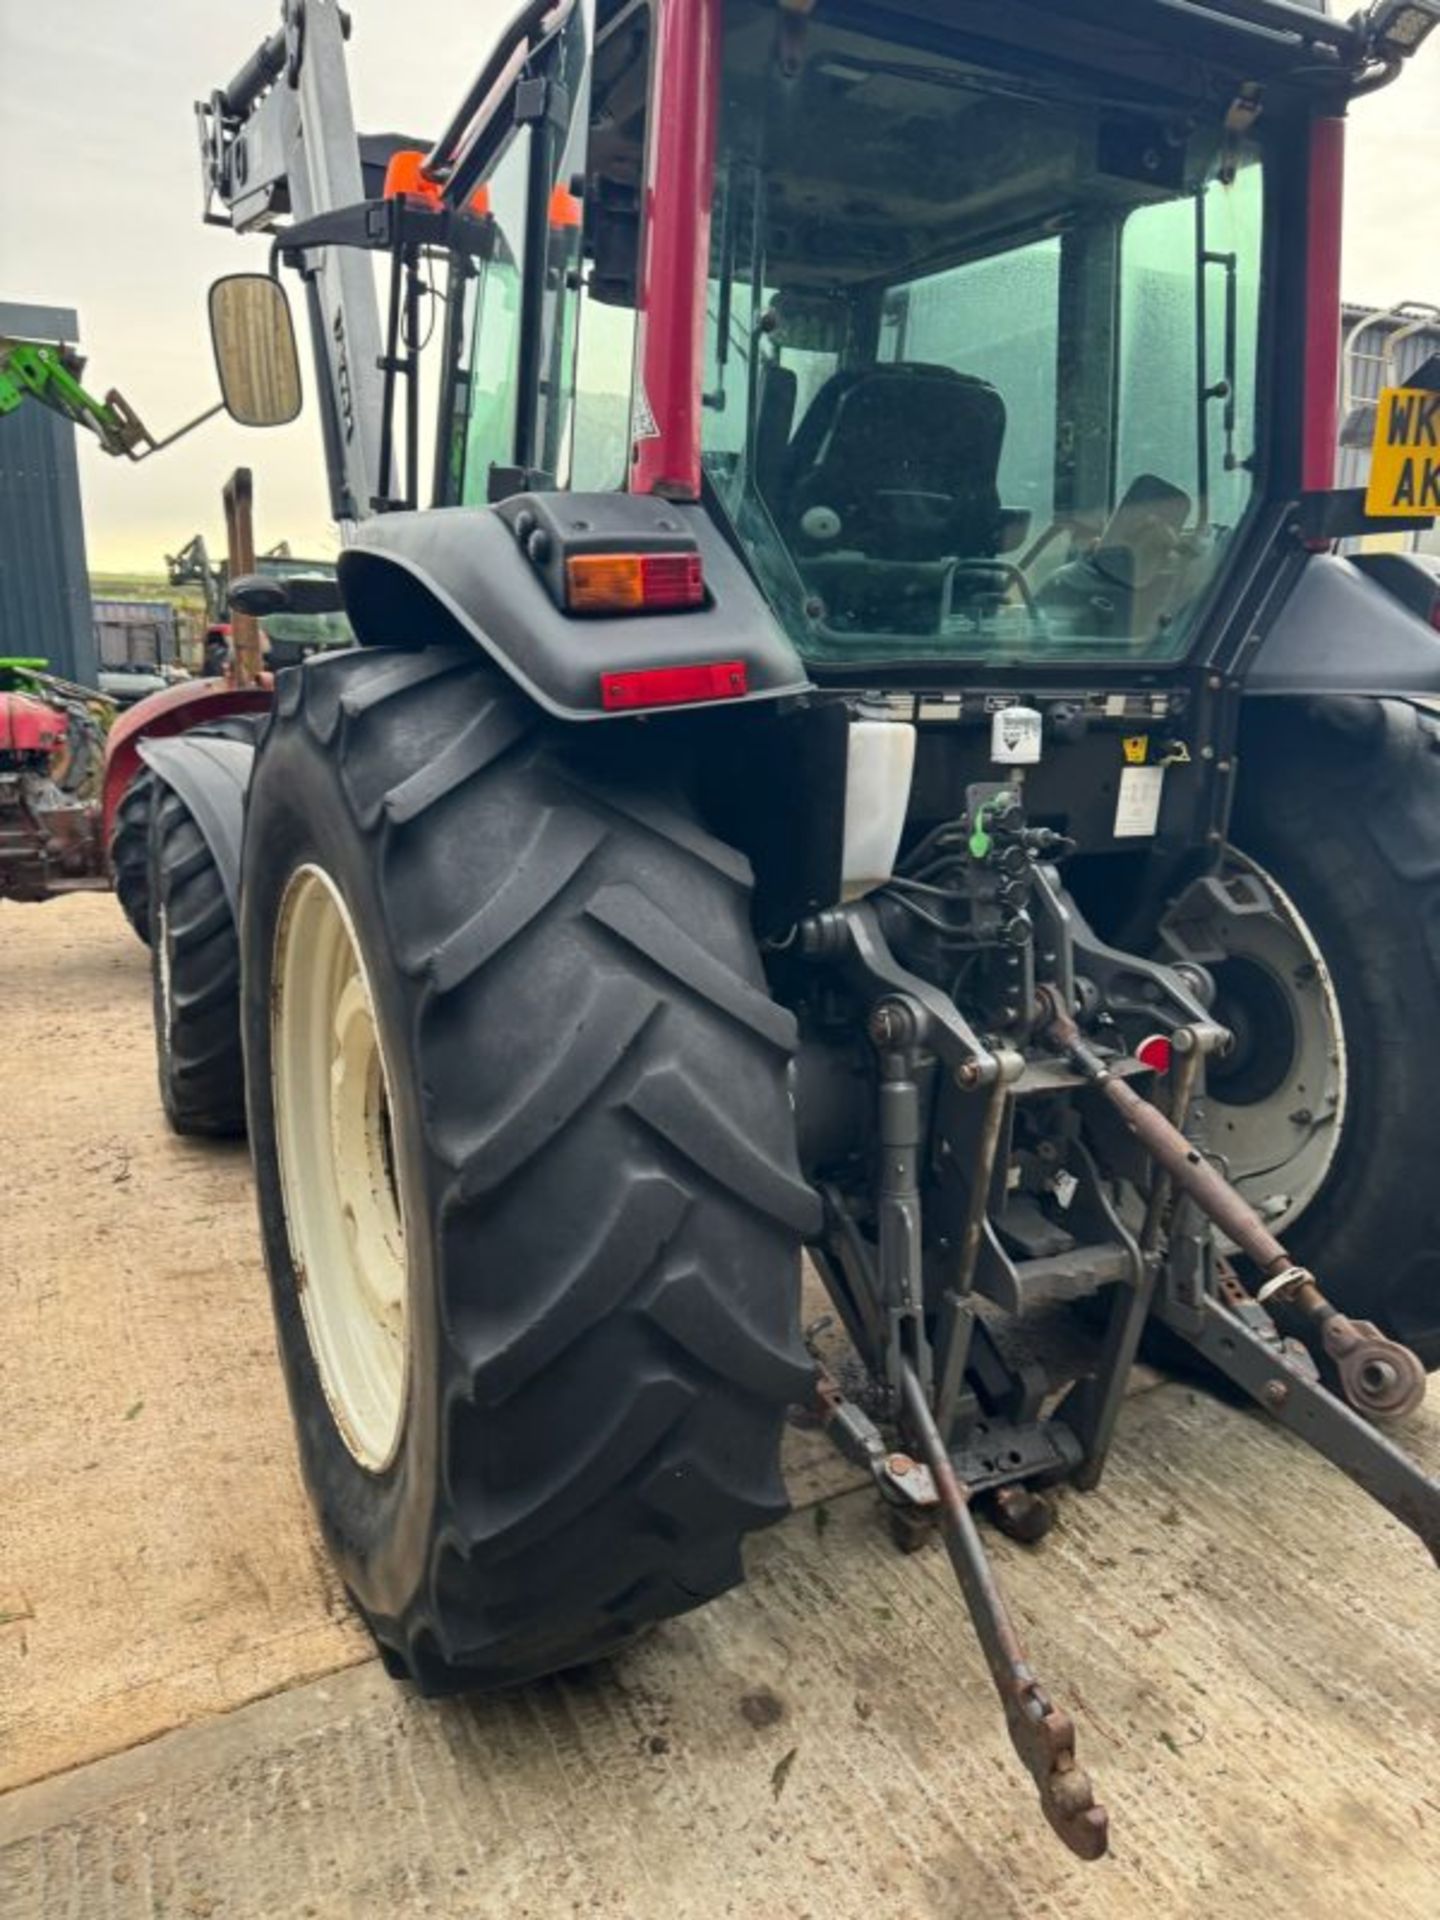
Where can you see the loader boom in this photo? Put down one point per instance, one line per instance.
(51, 374)
(280, 140)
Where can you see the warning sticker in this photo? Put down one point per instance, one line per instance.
(1137, 749)
(643, 424)
(1405, 455)
(1137, 811)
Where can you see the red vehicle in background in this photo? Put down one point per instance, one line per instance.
(75, 789)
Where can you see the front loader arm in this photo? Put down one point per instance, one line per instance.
(280, 142)
(50, 374)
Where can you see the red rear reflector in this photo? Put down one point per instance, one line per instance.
(633, 582)
(1155, 1053)
(674, 686)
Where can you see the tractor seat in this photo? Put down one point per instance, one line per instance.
(897, 463)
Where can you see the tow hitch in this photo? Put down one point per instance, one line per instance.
(973, 1425)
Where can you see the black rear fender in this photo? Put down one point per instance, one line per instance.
(1354, 626)
(211, 776)
(412, 579)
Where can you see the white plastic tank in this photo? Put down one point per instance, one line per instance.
(880, 769)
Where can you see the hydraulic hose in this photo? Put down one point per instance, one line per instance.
(260, 71)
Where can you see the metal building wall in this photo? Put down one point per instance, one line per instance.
(44, 583)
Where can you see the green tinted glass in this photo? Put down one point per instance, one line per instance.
(981, 367)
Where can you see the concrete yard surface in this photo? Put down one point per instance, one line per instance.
(191, 1722)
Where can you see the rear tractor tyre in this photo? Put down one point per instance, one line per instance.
(1325, 1111)
(527, 1173)
(195, 976)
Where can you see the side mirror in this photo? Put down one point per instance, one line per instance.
(255, 356)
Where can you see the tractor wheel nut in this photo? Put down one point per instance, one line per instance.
(1275, 1393)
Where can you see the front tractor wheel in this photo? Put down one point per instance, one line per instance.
(527, 1174)
(1324, 1110)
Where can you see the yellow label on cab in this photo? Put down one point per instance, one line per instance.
(1405, 455)
(1137, 749)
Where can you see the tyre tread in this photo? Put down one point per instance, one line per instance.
(201, 1065)
(614, 1405)
(1340, 800)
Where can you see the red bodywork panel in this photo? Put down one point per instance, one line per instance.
(684, 111)
(28, 726)
(1322, 305)
(162, 715)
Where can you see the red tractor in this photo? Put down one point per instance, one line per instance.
(228, 704)
(872, 746)
(51, 741)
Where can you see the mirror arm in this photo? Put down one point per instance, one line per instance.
(155, 446)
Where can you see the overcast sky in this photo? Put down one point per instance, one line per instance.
(101, 213)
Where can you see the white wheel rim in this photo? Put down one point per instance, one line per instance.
(1280, 1149)
(341, 1187)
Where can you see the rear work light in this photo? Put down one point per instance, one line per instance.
(633, 582)
(674, 686)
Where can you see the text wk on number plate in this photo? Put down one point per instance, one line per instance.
(1405, 455)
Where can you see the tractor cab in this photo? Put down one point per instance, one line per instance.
(912, 419)
(982, 343)
(977, 377)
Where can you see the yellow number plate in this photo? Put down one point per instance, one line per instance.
(1405, 455)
